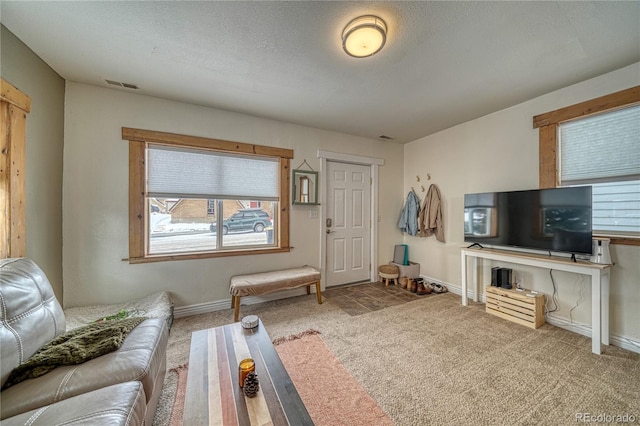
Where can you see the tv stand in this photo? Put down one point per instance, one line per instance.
(599, 282)
(475, 245)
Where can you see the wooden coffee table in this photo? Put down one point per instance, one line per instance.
(213, 396)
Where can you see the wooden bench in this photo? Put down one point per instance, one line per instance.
(267, 282)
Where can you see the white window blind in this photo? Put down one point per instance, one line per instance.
(190, 173)
(604, 151)
(601, 148)
(616, 207)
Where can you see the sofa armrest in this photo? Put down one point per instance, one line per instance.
(122, 404)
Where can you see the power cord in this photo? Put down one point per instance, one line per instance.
(580, 279)
(554, 297)
(578, 302)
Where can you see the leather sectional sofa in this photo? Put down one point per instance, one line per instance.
(117, 388)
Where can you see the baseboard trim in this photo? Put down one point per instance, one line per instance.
(582, 329)
(585, 330)
(455, 289)
(219, 305)
(201, 308)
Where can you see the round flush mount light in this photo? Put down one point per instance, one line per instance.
(364, 36)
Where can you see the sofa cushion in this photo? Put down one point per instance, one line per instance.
(122, 404)
(141, 358)
(30, 315)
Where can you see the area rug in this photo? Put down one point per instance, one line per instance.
(177, 411)
(331, 394)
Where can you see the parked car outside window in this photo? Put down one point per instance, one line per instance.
(255, 220)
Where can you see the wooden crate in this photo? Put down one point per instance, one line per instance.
(515, 306)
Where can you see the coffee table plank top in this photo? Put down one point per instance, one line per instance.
(213, 395)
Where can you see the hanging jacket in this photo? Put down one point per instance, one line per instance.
(409, 217)
(431, 221)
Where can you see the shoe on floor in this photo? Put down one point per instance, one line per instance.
(437, 288)
(422, 289)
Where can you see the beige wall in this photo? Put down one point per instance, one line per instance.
(45, 135)
(499, 152)
(96, 169)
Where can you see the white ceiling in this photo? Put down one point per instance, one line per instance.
(444, 62)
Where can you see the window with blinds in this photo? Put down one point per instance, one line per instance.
(603, 151)
(191, 185)
(192, 197)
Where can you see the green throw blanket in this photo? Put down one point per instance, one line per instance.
(75, 347)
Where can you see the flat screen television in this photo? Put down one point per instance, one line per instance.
(553, 220)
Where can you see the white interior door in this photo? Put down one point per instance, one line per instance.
(348, 223)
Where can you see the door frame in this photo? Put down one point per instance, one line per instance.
(373, 164)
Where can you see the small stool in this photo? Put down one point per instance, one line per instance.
(388, 272)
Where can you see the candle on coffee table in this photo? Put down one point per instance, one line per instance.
(245, 367)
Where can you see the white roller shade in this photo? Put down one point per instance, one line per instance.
(602, 148)
(189, 173)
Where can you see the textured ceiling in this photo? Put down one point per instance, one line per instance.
(444, 62)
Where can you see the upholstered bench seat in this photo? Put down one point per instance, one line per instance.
(267, 282)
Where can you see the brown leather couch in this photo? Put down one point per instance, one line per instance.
(121, 387)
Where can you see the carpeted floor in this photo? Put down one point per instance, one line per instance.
(431, 361)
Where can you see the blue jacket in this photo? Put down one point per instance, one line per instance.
(409, 217)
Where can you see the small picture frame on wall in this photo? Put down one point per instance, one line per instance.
(305, 187)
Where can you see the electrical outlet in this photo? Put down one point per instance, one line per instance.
(313, 214)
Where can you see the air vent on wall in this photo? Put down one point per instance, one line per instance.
(385, 137)
(119, 84)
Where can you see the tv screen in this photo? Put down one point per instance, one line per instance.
(555, 219)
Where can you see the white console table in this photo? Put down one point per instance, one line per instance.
(599, 282)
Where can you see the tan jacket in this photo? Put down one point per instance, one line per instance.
(431, 221)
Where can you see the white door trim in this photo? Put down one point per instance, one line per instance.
(373, 163)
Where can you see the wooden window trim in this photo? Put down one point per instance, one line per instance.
(548, 124)
(14, 107)
(138, 140)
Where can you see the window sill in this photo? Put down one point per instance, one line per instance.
(619, 239)
(192, 256)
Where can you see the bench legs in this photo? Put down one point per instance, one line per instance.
(235, 304)
(318, 292)
(235, 300)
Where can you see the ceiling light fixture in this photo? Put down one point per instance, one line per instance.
(364, 36)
